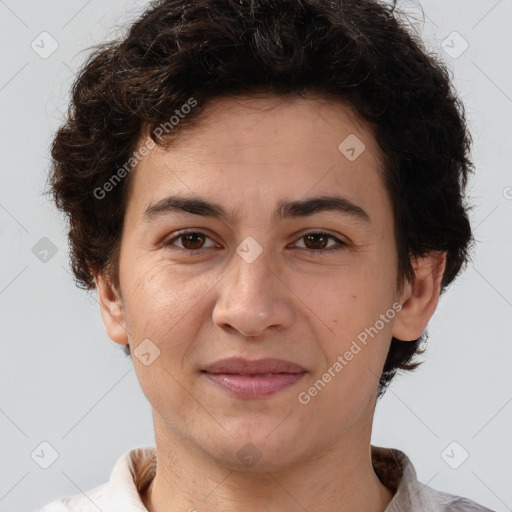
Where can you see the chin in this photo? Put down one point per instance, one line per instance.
(257, 446)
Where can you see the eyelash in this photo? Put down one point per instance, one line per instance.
(315, 252)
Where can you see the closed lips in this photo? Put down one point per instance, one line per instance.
(261, 367)
(253, 379)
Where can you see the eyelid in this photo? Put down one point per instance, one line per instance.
(321, 231)
(340, 243)
(179, 234)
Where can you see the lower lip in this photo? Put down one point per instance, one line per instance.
(247, 386)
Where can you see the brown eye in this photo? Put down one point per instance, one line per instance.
(193, 240)
(190, 241)
(316, 243)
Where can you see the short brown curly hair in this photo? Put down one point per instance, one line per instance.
(358, 51)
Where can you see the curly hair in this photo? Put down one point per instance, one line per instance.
(357, 51)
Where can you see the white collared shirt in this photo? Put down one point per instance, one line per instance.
(135, 470)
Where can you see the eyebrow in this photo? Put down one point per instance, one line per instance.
(285, 209)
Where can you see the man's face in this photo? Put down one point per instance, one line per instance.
(254, 284)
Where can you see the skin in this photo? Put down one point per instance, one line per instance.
(248, 155)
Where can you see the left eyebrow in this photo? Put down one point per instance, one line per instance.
(285, 209)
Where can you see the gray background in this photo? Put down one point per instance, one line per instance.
(63, 381)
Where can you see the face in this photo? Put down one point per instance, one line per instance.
(266, 272)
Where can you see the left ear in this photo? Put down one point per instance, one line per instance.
(420, 297)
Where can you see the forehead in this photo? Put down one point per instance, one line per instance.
(258, 148)
(242, 127)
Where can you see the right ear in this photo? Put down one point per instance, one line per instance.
(112, 309)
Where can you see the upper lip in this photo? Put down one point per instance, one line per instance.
(239, 365)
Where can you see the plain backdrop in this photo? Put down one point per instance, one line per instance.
(65, 383)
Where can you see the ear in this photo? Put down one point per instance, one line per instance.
(112, 309)
(420, 297)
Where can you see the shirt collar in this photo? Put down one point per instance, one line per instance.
(396, 472)
(131, 475)
(135, 470)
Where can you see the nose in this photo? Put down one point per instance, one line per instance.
(252, 298)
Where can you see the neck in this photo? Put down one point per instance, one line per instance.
(187, 479)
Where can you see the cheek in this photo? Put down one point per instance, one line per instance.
(357, 308)
(159, 299)
(349, 296)
(161, 308)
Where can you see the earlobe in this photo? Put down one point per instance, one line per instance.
(112, 310)
(420, 297)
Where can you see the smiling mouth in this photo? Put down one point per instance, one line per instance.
(257, 378)
(251, 374)
(254, 385)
